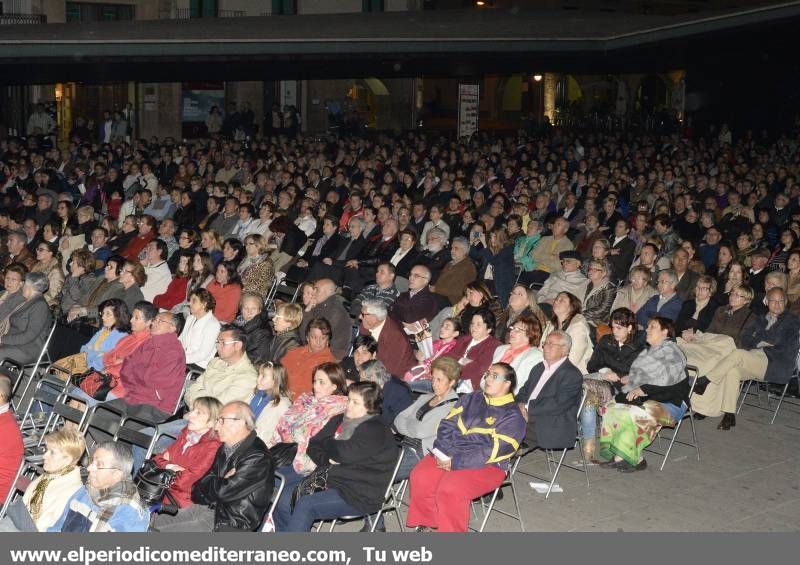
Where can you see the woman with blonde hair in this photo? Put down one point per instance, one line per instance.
(46, 497)
(521, 301)
(211, 243)
(256, 269)
(285, 324)
(638, 291)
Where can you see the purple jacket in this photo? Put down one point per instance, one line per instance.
(481, 431)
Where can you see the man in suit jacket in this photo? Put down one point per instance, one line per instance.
(687, 279)
(394, 350)
(418, 302)
(361, 271)
(623, 250)
(333, 267)
(550, 398)
(666, 303)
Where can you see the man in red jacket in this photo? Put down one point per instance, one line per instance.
(11, 450)
(394, 349)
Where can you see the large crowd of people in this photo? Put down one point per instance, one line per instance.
(443, 305)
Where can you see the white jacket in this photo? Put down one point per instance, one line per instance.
(523, 364)
(199, 339)
(158, 279)
(269, 417)
(582, 347)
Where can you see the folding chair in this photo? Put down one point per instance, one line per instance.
(391, 502)
(508, 481)
(551, 457)
(34, 367)
(25, 475)
(276, 496)
(693, 374)
(63, 412)
(745, 391)
(273, 289)
(47, 392)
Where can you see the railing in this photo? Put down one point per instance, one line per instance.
(21, 19)
(185, 14)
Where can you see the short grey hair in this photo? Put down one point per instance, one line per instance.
(603, 264)
(358, 219)
(437, 231)
(38, 282)
(462, 242)
(671, 274)
(374, 371)
(376, 307)
(243, 412)
(566, 340)
(121, 453)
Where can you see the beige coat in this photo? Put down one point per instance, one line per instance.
(269, 418)
(582, 347)
(224, 382)
(56, 495)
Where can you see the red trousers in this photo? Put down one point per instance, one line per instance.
(440, 499)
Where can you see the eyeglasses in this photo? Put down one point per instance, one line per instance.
(489, 376)
(227, 342)
(223, 419)
(165, 321)
(42, 249)
(97, 466)
(518, 329)
(417, 276)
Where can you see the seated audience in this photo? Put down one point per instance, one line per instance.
(634, 294)
(697, 313)
(568, 318)
(521, 350)
(301, 361)
(521, 301)
(285, 322)
(156, 269)
(270, 399)
(254, 324)
(666, 304)
(201, 329)
(176, 292)
(25, 328)
(226, 289)
(11, 451)
(394, 350)
(475, 350)
(396, 393)
(328, 304)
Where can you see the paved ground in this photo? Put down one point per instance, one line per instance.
(748, 479)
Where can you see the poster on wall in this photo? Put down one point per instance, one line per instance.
(198, 99)
(468, 107)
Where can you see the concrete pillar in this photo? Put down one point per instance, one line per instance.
(250, 92)
(159, 106)
(550, 82)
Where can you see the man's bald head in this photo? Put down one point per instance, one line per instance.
(325, 289)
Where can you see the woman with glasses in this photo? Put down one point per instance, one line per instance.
(256, 269)
(470, 456)
(600, 294)
(132, 278)
(48, 261)
(696, 314)
(475, 350)
(47, 496)
(80, 282)
(147, 233)
(522, 350)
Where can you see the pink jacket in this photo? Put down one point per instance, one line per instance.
(154, 373)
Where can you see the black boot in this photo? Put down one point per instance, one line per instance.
(700, 385)
(728, 421)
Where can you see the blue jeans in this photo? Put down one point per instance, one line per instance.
(589, 422)
(676, 412)
(283, 510)
(324, 505)
(171, 428)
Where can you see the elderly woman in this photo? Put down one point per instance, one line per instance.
(23, 333)
(611, 360)
(227, 291)
(521, 301)
(47, 496)
(419, 422)
(567, 317)
(599, 293)
(303, 420)
(254, 324)
(359, 452)
(654, 394)
(696, 314)
(470, 455)
(80, 282)
(256, 269)
(475, 350)
(49, 263)
(199, 335)
(638, 291)
(600, 251)
(133, 279)
(396, 393)
(666, 303)
(457, 274)
(285, 324)
(522, 349)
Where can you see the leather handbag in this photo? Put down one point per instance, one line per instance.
(317, 481)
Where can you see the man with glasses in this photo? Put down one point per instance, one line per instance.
(235, 493)
(418, 302)
(109, 502)
(550, 397)
(666, 303)
(767, 353)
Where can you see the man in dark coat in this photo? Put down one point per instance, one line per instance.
(394, 350)
(549, 399)
(418, 302)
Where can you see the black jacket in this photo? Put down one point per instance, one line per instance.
(556, 408)
(293, 240)
(621, 262)
(685, 320)
(673, 394)
(259, 334)
(276, 348)
(365, 461)
(241, 501)
(609, 354)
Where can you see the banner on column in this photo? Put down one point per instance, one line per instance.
(468, 106)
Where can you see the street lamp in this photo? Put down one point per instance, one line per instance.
(537, 78)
